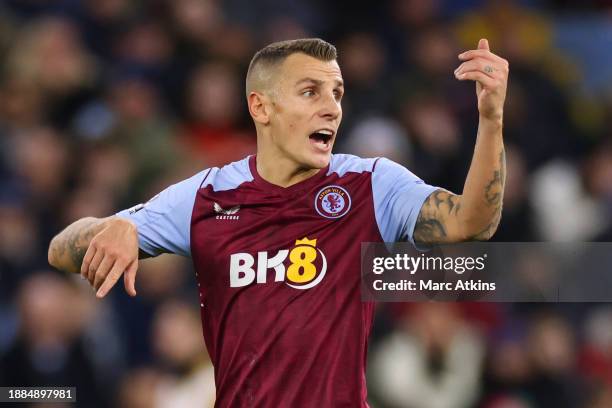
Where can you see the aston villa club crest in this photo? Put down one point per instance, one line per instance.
(333, 202)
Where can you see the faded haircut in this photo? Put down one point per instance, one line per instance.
(265, 60)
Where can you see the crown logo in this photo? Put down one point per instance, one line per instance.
(306, 241)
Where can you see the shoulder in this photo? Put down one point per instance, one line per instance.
(228, 177)
(380, 166)
(348, 163)
(388, 169)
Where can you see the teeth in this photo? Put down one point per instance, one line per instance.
(325, 132)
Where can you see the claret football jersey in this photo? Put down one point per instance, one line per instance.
(278, 272)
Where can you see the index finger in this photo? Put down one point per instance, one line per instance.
(481, 53)
(110, 280)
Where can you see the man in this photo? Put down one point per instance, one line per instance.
(275, 238)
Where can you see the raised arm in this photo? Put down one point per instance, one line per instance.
(100, 249)
(475, 214)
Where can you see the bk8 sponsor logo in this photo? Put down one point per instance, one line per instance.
(307, 266)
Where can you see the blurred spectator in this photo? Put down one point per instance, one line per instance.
(142, 130)
(101, 20)
(598, 182)
(508, 369)
(40, 161)
(50, 54)
(362, 58)
(534, 366)
(21, 104)
(178, 342)
(432, 361)
(596, 353)
(556, 190)
(195, 20)
(18, 235)
(553, 354)
(214, 102)
(379, 137)
(413, 15)
(158, 279)
(49, 350)
(137, 389)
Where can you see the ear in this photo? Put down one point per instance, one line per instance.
(258, 107)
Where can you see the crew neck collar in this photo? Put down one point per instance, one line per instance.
(300, 186)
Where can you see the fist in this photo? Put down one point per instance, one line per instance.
(490, 72)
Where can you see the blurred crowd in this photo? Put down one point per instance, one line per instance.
(103, 103)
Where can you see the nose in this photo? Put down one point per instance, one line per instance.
(330, 108)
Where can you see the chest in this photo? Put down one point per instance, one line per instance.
(249, 235)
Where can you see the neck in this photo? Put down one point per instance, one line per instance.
(281, 170)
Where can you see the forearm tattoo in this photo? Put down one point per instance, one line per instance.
(442, 206)
(70, 246)
(494, 193)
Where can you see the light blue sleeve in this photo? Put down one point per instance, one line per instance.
(164, 222)
(398, 197)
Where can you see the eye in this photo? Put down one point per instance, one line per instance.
(308, 92)
(338, 94)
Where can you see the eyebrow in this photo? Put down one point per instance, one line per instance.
(317, 82)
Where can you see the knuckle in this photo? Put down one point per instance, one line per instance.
(113, 253)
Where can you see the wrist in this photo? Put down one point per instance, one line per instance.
(492, 121)
(120, 222)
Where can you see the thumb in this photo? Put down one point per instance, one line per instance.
(483, 44)
(129, 278)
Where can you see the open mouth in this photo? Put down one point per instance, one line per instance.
(322, 137)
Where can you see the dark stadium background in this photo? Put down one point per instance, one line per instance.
(105, 102)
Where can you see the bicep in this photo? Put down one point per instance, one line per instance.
(438, 221)
(398, 198)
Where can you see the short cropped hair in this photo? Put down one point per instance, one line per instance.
(273, 54)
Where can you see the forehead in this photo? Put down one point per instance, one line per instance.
(298, 66)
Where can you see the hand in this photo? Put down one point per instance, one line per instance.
(491, 75)
(113, 251)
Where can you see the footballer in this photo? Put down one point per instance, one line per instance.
(275, 237)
